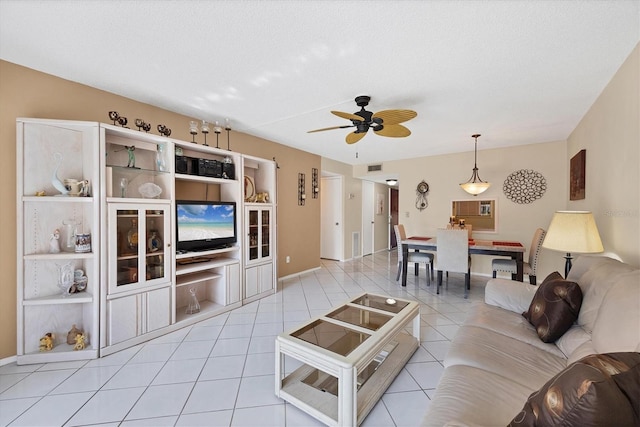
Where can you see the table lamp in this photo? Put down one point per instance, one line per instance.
(570, 232)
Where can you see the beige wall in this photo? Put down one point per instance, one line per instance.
(28, 93)
(610, 132)
(515, 221)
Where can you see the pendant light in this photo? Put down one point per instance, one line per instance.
(475, 185)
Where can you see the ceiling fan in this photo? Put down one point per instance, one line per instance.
(384, 123)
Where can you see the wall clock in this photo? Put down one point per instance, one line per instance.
(524, 186)
(421, 195)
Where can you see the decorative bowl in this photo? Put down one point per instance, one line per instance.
(149, 190)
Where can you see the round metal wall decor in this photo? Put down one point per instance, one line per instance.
(524, 186)
(421, 195)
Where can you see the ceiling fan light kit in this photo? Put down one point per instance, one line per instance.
(384, 123)
(475, 185)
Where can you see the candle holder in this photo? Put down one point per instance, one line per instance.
(205, 130)
(139, 123)
(227, 127)
(193, 130)
(163, 130)
(217, 130)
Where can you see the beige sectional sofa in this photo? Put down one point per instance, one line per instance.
(496, 360)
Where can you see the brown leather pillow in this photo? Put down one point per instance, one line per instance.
(597, 390)
(554, 308)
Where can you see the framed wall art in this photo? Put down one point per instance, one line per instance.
(577, 176)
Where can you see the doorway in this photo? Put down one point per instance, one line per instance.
(368, 212)
(331, 221)
(393, 216)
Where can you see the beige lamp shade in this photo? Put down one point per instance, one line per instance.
(475, 188)
(573, 231)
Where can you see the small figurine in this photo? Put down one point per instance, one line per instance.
(132, 156)
(54, 242)
(46, 342)
(71, 336)
(80, 342)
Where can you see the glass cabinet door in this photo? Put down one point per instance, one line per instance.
(265, 234)
(258, 223)
(252, 223)
(137, 251)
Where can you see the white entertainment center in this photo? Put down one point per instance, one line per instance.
(136, 284)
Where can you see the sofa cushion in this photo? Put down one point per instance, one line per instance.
(595, 283)
(509, 294)
(522, 363)
(617, 326)
(554, 307)
(509, 324)
(468, 396)
(572, 339)
(601, 389)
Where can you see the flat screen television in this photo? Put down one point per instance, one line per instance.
(205, 225)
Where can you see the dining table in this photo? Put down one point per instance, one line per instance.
(512, 249)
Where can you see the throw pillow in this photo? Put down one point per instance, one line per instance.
(598, 390)
(554, 308)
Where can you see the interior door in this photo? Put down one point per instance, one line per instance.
(331, 222)
(393, 216)
(368, 208)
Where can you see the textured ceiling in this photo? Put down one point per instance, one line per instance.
(518, 72)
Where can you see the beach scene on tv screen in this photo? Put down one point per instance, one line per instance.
(199, 222)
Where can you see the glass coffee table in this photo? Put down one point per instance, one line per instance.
(350, 356)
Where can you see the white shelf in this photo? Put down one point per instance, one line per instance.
(207, 179)
(57, 199)
(78, 298)
(206, 253)
(193, 278)
(59, 256)
(206, 265)
(206, 309)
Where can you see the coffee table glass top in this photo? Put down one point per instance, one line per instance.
(330, 336)
(381, 303)
(360, 317)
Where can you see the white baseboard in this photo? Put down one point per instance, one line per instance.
(7, 360)
(297, 274)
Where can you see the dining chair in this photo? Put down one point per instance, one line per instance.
(468, 227)
(453, 255)
(415, 257)
(529, 268)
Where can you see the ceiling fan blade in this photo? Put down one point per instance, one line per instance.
(393, 117)
(331, 128)
(354, 137)
(347, 116)
(394, 131)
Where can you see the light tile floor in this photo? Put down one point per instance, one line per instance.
(220, 372)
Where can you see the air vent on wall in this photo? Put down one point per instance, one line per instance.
(374, 168)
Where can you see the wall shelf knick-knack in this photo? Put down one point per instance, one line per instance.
(301, 194)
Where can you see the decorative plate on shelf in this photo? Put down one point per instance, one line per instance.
(149, 190)
(249, 189)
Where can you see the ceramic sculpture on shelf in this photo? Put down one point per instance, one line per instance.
(54, 242)
(46, 342)
(57, 182)
(80, 342)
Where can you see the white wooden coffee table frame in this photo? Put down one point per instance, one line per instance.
(351, 405)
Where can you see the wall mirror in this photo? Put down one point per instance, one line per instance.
(480, 213)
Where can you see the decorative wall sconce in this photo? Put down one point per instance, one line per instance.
(301, 195)
(315, 188)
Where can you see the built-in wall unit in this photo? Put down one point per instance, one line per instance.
(124, 236)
